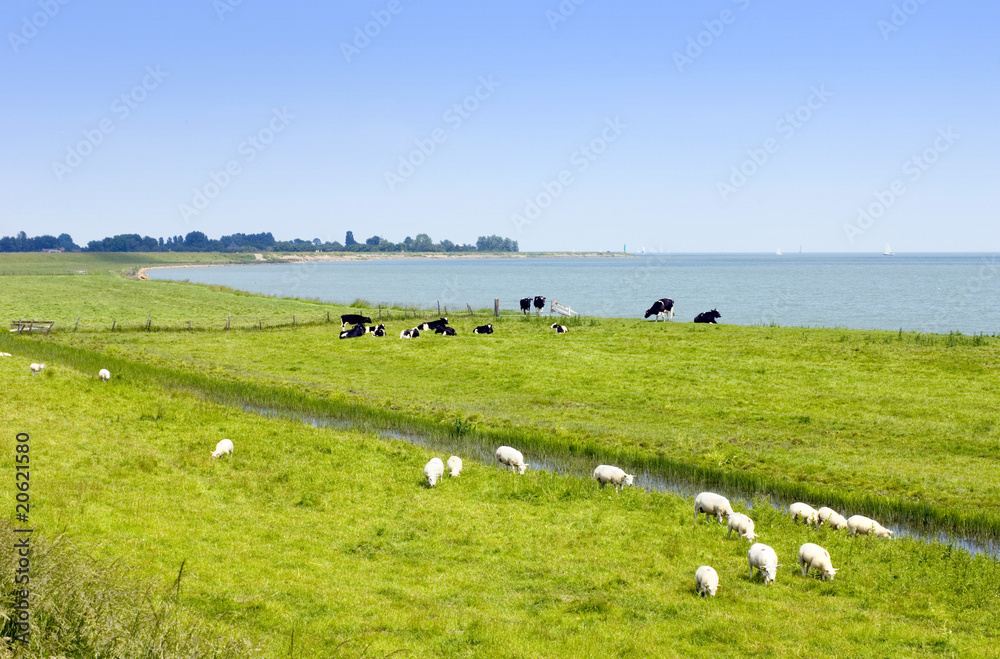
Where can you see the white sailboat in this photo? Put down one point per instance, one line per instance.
(779, 252)
(888, 251)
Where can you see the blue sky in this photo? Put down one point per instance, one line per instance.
(724, 126)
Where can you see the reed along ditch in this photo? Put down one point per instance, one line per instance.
(470, 446)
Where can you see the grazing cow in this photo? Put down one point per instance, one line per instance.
(662, 309)
(357, 330)
(539, 303)
(447, 331)
(353, 319)
(409, 333)
(708, 317)
(525, 304)
(433, 324)
(483, 329)
(560, 329)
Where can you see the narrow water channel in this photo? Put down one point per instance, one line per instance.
(469, 448)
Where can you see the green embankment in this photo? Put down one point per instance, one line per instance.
(331, 536)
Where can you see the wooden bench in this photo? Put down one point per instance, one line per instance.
(22, 326)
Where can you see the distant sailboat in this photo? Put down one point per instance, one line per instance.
(888, 251)
(779, 251)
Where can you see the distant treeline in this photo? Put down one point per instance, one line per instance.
(196, 241)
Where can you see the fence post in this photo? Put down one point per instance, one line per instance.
(380, 313)
(189, 324)
(113, 322)
(260, 323)
(327, 316)
(228, 318)
(439, 307)
(77, 323)
(293, 320)
(149, 319)
(496, 307)
(469, 308)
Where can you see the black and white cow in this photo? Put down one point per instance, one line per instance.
(447, 331)
(560, 329)
(353, 319)
(377, 328)
(525, 304)
(409, 333)
(483, 329)
(433, 324)
(539, 303)
(357, 330)
(662, 308)
(708, 317)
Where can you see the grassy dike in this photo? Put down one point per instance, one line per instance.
(316, 542)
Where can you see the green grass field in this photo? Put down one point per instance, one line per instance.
(321, 542)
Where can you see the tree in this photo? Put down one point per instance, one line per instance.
(374, 240)
(349, 240)
(195, 241)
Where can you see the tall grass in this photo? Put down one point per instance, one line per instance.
(83, 607)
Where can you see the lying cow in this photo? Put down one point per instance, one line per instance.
(483, 329)
(708, 317)
(447, 331)
(357, 330)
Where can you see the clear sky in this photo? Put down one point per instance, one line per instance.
(728, 125)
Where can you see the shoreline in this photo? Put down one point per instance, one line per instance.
(337, 257)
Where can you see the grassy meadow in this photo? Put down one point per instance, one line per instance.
(313, 542)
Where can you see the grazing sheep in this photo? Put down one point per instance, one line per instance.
(765, 560)
(813, 556)
(433, 470)
(706, 580)
(5, 354)
(712, 504)
(455, 466)
(605, 474)
(865, 525)
(222, 448)
(560, 329)
(805, 511)
(511, 459)
(831, 517)
(36, 368)
(104, 374)
(743, 526)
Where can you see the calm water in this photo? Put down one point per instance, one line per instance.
(920, 292)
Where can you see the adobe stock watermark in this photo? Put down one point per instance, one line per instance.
(714, 28)
(562, 13)
(981, 285)
(121, 108)
(900, 16)
(454, 117)
(30, 25)
(913, 168)
(223, 7)
(787, 127)
(363, 35)
(249, 148)
(580, 160)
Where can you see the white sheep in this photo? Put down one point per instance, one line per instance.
(36, 368)
(711, 503)
(765, 560)
(743, 526)
(5, 354)
(706, 580)
(104, 374)
(865, 525)
(605, 474)
(805, 511)
(225, 446)
(831, 517)
(455, 466)
(433, 470)
(811, 556)
(511, 458)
